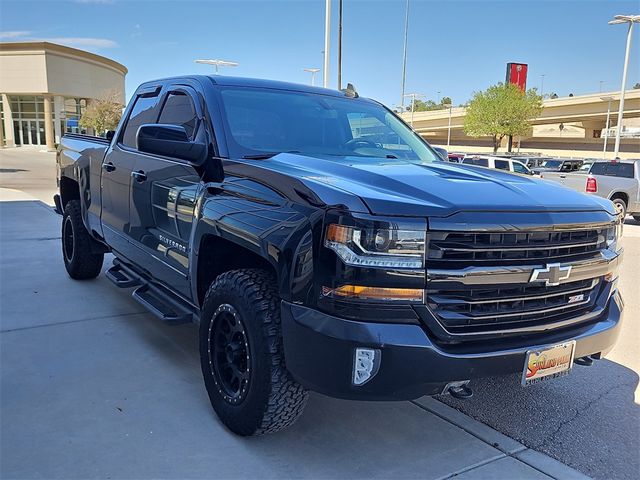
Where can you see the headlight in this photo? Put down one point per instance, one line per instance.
(613, 234)
(377, 247)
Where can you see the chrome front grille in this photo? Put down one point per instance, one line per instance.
(455, 248)
(482, 283)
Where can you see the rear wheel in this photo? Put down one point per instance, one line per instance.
(621, 206)
(241, 355)
(79, 258)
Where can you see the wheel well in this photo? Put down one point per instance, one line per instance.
(69, 190)
(218, 255)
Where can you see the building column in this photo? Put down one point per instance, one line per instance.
(1, 134)
(8, 121)
(48, 123)
(58, 108)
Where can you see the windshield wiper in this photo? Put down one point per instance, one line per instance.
(264, 156)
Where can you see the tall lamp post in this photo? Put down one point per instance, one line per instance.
(327, 42)
(630, 19)
(449, 127)
(404, 54)
(313, 72)
(413, 103)
(606, 128)
(218, 63)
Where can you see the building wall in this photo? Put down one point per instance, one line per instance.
(70, 77)
(44, 89)
(23, 72)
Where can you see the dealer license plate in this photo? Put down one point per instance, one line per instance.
(548, 363)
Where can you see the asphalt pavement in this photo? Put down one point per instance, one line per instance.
(92, 386)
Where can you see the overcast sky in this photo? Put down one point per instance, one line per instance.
(455, 47)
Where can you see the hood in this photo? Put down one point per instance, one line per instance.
(392, 187)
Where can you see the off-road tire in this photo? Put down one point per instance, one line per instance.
(79, 257)
(272, 400)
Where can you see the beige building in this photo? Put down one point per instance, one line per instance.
(45, 88)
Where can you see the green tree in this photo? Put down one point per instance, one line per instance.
(501, 110)
(636, 86)
(103, 114)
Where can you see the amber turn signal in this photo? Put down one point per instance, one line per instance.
(374, 293)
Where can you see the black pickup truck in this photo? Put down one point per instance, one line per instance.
(323, 245)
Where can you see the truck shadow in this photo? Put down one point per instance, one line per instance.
(589, 420)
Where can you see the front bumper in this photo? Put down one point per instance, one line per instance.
(319, 351)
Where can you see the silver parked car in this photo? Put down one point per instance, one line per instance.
(617, 180)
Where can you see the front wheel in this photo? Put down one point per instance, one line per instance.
(79, 258)
(241, 355)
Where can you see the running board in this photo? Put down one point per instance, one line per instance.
(163, 305)
(121, 276)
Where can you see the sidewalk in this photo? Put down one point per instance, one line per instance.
(93, 387)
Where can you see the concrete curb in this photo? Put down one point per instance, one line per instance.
(511, 448)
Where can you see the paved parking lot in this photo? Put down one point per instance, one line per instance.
(94, 387)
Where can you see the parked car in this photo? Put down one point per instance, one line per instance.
(499, 163)
(444, 155)
(456, 157)
(266, 212)
(532, 161)
(616, 180)
(558, 165)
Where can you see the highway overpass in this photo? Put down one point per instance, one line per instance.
(585, 114)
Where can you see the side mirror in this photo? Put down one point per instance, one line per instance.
(109, 135)
(170, 141)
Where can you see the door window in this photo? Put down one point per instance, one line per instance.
(178, 109)
(502, 164)
(143, 111)
(519, 168)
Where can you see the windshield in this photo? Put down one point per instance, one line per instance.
(551, 163)
(262, 121)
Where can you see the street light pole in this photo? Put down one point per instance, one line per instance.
(327, 42)
(404, 55)
(542, 85)
(340, 45)
(313, 72)
(218, 63)
(413, 103)
(606, 128)
(630, 19)
(449, 127)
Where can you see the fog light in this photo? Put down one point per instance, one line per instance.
(366, 365)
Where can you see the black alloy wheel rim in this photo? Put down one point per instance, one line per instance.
(229, 354)
(68, 239)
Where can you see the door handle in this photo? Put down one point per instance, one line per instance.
(108, 167)
(140, 176)
(563, 176)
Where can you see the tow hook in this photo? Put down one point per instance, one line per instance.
(459, 390)
(584, 361)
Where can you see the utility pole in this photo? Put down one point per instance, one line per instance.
(327, 42)
(404, 55)
(542, 85)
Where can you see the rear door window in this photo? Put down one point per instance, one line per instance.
(143, 111)
(179, 110)
(502, 164)
(481, 162)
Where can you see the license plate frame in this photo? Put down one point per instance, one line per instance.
(548, 363)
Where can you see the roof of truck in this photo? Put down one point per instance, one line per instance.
(275, 84)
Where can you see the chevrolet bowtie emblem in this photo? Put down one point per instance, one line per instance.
(552, 274)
